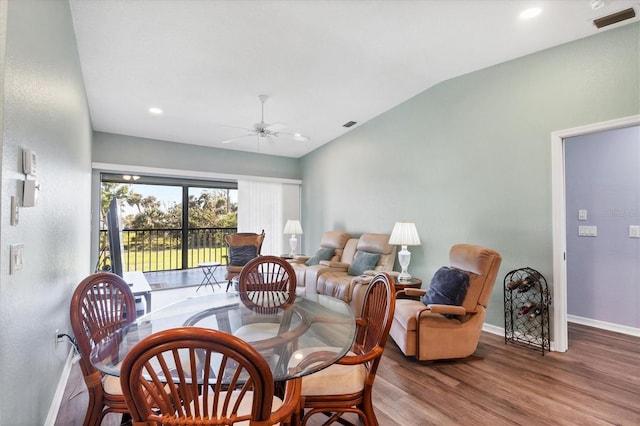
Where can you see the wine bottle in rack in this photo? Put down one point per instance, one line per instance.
(528, 282)
(535, 311)
(514, 284)
(524, 309)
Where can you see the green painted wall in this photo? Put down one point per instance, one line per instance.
(130, 150)
(469, 159)
(43, 108)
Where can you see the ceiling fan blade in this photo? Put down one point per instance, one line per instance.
(275, 127)
(239, 137)
(233, 127)
(295, 136)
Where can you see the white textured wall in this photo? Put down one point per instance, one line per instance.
(44, 109)
(469, 160)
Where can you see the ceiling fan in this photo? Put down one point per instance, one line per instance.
(265, 130)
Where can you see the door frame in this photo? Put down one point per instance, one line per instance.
(559, 220)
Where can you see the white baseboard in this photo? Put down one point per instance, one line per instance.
(617, 328)
(62, 384)
(494, 329)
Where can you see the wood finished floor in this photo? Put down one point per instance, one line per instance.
(596, 382)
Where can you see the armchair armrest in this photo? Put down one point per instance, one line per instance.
(334, 264)
(414, 292)
(362, 358)
(363, 279)
(447, 309)
(297, 260)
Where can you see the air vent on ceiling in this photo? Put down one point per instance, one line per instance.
(614, 18)
(349, 124)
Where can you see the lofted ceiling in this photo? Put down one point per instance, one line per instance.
(322, 63)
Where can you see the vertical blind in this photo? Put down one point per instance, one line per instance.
(263, 205)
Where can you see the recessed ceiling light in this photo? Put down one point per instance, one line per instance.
(300, 137)
(597, 4)
(530, 13)
(156, 111)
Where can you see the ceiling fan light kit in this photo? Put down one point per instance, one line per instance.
(264, 130)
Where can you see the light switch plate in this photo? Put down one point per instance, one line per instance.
(582, 214)
(587, 231)
(16, 252)
(634, 231)
(14, 210)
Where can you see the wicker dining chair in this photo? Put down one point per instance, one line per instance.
(241, 248)
(267, 284)
(101, 304)
(200, 376)
(354, 374)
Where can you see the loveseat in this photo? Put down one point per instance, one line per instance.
(346, 278)
(331, 248)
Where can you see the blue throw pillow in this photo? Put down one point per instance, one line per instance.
(321, 254)
(363, 261)
(448, 287)
(242, 254)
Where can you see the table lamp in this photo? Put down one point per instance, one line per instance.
(404, 234)
(293, 227)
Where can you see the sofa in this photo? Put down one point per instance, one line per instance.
(331, 248)
(346, 278)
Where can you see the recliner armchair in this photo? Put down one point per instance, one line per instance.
(426, 333)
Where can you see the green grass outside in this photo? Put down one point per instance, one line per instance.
(165, 260)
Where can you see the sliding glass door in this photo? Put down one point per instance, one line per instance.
(169, 223)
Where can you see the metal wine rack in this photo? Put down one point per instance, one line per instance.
(526, 309)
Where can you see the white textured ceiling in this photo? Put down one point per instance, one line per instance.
(322, 62)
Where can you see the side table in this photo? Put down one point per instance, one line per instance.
(139, 287)
(209, 269)
(412, 283)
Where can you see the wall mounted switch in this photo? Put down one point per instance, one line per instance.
(587, 231)
(634, 231)
(582, 215)
(14, 210)
(16, 251)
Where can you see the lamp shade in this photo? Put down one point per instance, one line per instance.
(404, 234)
(292, 227)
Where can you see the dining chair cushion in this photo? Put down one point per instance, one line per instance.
(111, 384)
(243, 409)
(242, 254)
(335, 379)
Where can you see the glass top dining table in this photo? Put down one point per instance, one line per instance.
(309, 335)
